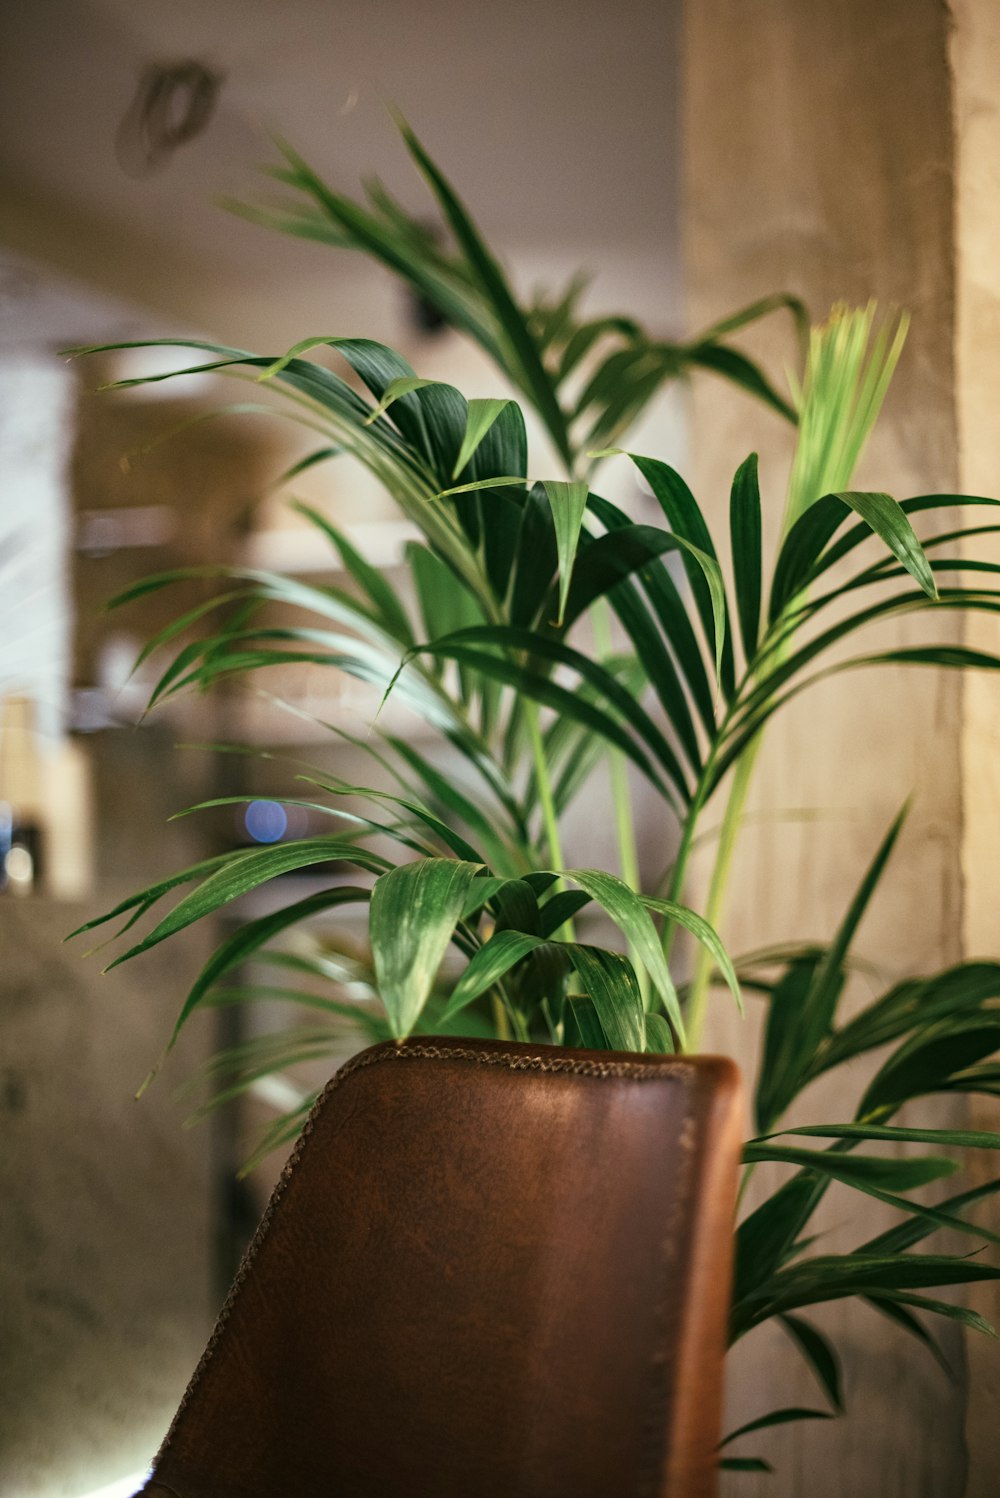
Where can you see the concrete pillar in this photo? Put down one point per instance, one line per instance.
(975, 64)
(844, 150)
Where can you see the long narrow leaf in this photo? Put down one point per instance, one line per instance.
(414, 911)
(242, 872)
(568, 502)
(745, 532)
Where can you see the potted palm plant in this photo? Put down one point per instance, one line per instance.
(542, 634)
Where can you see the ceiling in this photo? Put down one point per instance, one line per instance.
(555, 119)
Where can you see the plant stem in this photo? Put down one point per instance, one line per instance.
(550, 820)
(621, 799)
(628, 857)
(690, 824)
(715, 901)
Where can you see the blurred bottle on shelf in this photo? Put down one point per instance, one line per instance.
(20, 798)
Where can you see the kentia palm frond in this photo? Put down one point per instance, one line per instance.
(588, 378)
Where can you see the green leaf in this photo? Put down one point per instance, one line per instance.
(260, 1058)
(631, 915)
(691, 535)
(666, 608)
(745, 533)
(369, 579)
(956, 1138)
(701, 562)
(610, 983)
(775, 1417)
(318, 808)
(703, 932)
(889, 520)
(821, 1356)
(244, 871)
(911, 1004)
(801, 556)
(445, 414)
(311, 460)
(920, 504)
(834, 1276)
(659, 1038)
(872, 1175)
(516, 907)
(446, 603)
(451, 839)
(926, 1062)
(509, 316)
(900, 1316)
(804, 1004)
(790, 1037)
(487, 966)
(861, 1171)
(409, 256)
(778, 301)
(445, 789)
(581, 1025)
(765, 1238)
(482, 414)
(139, 903)
(742, 371)
(461, 647)
(951, 657)
(183, 622)
(801, 549)
(561, 908)
(405, 385)
(535, 560)
(505, 481)
(906, 1234)
(414, 911)
(568, 502)
(249, 938)
(962, 1314)
(481, 891)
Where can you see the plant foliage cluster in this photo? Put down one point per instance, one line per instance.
(541, 633)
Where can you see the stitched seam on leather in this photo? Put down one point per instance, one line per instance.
(570, 1066)
(659, 1414)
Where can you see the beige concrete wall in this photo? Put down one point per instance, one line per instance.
(819, 159)
(975, 56)
(105, 1297)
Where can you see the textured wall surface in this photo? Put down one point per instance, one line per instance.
(976, 71)
(819, 159)
(107, 1215)
(104, 1232)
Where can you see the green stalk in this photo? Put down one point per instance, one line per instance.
(621, 795)
(628, 857)
(543, 782)
(621, 799)
(718, 886)
(689, 827)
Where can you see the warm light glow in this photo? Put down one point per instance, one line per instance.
(20, 866)
(125, 1487)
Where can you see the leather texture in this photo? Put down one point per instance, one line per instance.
(488, 1271)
